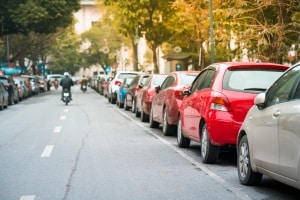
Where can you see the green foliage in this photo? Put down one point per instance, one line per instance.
(64, 55)
(40, 16)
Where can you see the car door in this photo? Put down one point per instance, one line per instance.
(268, 126)
(159, 98)
(193, 104)
(289, 129)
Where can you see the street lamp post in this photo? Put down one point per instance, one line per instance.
(136, 42)
(211, 33)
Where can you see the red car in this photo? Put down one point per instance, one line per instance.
(167, 100)
(144, 97)
(217, 102)
(134, 88)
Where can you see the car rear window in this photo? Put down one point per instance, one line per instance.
(187, 78)
(4, 80)
(126, 75)
(255, 80)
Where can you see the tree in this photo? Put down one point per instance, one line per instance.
(64, 54)
(40, 16)
(267, 27)
(151, 16)
(104, 40)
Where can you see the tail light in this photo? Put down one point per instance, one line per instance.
(137, 88)
(220, 102)
(178, 94)
(118, 83)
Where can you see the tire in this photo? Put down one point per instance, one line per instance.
(246, 175)
(166, 127)
(133, 108)
(182, 141)
(126, 107)
(2, 105)
(144, 116)
(209, 152)
(153, 124)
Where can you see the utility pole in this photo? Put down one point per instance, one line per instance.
(211, 33)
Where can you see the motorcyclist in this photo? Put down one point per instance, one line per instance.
(83, 81)
(66, 83)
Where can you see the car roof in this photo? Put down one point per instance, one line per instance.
(247, 65)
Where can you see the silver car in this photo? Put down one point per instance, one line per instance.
(269, 138)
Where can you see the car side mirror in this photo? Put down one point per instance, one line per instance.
(157, 89)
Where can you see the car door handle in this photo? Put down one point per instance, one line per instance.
(276, 114)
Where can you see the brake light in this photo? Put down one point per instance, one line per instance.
(178, 93)
(220, 102)
(118, 83)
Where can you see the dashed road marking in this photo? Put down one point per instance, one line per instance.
(57, 129)
(66, 110)
(28, 197)
(47, 151)
(62, 117)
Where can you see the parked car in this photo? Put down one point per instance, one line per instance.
(116, 82)
(269, 138)
(134, 87)
(106, 85)
(121, 93)
(34, 83)
(167, 100)
(23, 89)
(216, 104)
(102, 82)
(144, 97)
(11, 87)
(42, 83)
(3, 96)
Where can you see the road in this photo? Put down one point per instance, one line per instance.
(93, 150)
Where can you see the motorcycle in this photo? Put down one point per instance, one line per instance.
(84, 87)
(66, 96)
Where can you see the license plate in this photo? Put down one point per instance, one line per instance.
(66, 94)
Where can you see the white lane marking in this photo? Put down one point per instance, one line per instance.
(66, 110)
(57, 129)
(47, 151)
(235, 190)
(62, 117)
(28, 197)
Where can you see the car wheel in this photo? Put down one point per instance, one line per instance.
(166, 128)
(144, 116)
(181, 140)
(113, 100)
(153, 124)
(209, 152)
(126, 107)
(121, 105)
(246, 175)
(2, 105)
(133, 108)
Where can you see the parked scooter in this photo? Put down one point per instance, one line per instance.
(66, 96)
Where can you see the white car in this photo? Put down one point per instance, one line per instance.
(269, 138)
(114, 85)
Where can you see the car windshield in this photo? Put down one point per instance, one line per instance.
(250, 79)
(187, 78)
